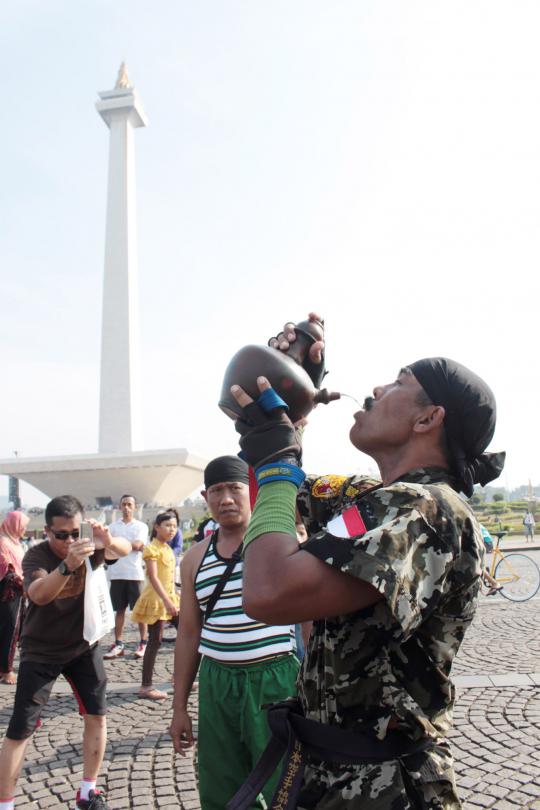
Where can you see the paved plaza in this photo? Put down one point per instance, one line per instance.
(496, 739)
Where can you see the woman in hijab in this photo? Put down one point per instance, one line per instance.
(11, 588)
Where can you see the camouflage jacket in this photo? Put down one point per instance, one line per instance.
(388, 666)
(423, 551)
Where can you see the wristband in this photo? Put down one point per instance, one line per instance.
(280, 471)
(268, 401)
(274, 511)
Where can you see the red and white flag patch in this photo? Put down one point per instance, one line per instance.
(348, 524)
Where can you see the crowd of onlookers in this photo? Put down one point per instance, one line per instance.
(43, 574)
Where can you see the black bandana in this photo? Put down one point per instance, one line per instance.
(226, 468)
(470, 417)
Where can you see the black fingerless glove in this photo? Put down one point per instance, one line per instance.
(268, 435)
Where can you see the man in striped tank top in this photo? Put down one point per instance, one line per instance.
(244, 664)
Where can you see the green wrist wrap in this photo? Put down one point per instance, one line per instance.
(274, 511)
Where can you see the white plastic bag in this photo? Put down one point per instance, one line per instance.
(98, 609)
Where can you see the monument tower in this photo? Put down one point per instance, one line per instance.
(160, 476)
(119, 417)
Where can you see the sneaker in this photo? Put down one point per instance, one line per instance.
(95, 801)
(114, 651)
(139, 652)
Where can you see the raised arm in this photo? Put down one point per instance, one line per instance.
(282, 582)
(45, 586)
(115, 547)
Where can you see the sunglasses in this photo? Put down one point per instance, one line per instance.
(66, 535)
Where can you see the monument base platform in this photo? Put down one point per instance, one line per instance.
(159, 477)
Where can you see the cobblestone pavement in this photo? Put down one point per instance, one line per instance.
(496, 737)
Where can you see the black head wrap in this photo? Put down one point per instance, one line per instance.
(470, 417)
(226, 468)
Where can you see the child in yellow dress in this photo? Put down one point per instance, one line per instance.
(158, 603)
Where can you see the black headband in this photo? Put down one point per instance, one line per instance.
(470, 418)
(226, 468)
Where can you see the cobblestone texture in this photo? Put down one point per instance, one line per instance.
(504, 638)
(496, 736)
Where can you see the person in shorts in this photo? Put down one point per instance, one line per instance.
(52, 644)
(127, 578)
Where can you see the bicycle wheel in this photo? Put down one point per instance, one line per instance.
(519, 576)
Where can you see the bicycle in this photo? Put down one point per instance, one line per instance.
(516, 575)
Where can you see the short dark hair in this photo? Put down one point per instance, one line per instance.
(63, 506)
(129, 496)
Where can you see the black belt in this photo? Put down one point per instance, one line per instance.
(302, 739)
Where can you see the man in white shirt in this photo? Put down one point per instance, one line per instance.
(126, 582)
(529, 523)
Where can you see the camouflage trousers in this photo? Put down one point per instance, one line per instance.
(422, 781)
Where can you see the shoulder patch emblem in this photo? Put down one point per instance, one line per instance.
(348, 524)
(328, 486)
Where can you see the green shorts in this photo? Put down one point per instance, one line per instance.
(233, 730)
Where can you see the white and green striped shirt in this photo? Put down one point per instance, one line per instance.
(230, 635)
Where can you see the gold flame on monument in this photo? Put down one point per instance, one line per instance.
(122, 80)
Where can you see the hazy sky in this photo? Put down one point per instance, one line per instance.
(376, 161)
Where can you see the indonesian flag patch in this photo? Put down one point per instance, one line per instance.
(348, 524)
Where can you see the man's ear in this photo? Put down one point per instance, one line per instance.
(432, 419)
(203, 493)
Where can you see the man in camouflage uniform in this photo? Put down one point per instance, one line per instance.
(390, 573)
